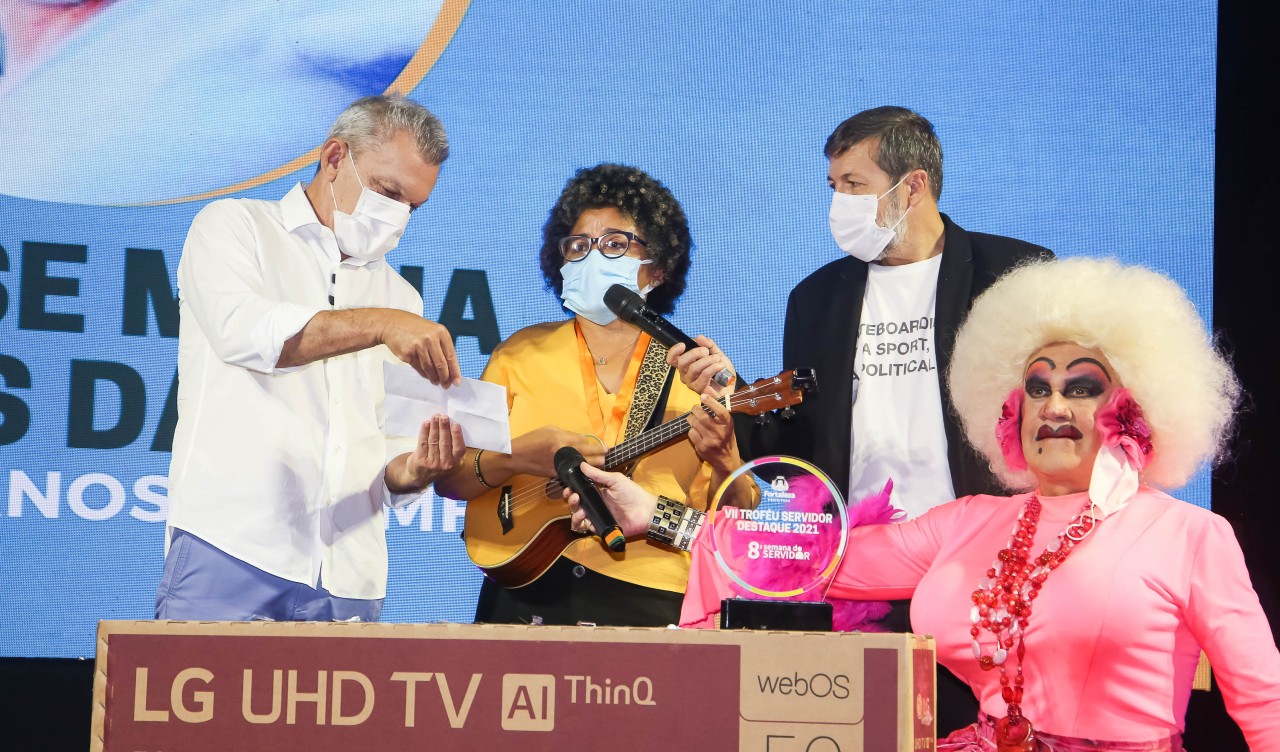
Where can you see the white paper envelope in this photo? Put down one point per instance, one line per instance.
(478, 406)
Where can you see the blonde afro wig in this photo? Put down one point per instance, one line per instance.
(1141, 320)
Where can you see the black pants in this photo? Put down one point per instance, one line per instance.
(569, 593)
(957, 705)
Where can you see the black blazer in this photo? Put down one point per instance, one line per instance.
(822, 321)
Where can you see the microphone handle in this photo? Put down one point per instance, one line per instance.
(601, 518)
(662, 330)
(568, 463)
(670, 336)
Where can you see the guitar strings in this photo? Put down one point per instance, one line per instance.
(628, 450)
(637, 446)
(534, 493)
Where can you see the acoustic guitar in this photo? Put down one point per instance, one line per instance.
(517, 531)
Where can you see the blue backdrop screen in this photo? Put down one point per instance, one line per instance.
(1084, 127)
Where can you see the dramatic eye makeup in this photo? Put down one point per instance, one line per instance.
(1036, 381)
(1102, 370)
(1086, 378)
(1083, 386)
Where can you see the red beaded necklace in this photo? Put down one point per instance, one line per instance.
(1002, 606)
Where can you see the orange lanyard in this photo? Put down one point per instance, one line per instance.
(608, 432)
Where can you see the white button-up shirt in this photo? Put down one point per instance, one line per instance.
(281, 467)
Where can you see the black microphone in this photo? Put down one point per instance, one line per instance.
(569, 471)
(630, 307)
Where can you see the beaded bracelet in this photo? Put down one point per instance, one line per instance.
(665, 522)
(674, 524)
(479, 475)
(690, 524)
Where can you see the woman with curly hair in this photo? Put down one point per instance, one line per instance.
(1076, 609)
(590, 382)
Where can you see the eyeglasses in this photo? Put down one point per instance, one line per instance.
(612, 245)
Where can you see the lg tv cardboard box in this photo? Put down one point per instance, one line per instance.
(191, 686)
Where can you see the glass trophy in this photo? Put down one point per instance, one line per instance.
(780, 556)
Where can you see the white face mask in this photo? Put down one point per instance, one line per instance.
(586, 281)
(854, 227)
(375, 227)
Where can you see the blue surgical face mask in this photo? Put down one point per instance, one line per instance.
(586, 281)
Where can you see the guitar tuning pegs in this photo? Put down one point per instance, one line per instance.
(786, 413)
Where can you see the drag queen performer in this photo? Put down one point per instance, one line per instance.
(1076, 609)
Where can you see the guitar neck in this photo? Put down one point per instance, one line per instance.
(780, 391)
(649, 441)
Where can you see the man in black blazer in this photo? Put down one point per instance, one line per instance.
(893, 154)
(823, 317)
(879, 327)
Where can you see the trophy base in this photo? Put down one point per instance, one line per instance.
(796, 616)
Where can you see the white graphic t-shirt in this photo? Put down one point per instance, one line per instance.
(897, 408)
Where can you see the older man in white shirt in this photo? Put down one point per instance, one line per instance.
(280, 466)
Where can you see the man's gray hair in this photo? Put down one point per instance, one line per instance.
(907, 142)
(371, 121)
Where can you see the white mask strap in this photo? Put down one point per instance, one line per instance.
(333, 195)
(649, 287)
(891, 190)
(886, 193)
(361, 182)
